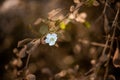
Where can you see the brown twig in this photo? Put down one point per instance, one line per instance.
(93, 43)
(112, 40)
(106, 44)
(105, 6)
(27, 62)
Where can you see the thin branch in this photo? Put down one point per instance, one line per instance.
(105, 7)
(116, 17)
(89, 72)
(93, 43)
(27, 62)
(106, 44)
(112, 40)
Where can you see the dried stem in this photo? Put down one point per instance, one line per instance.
(94, 43)
(28, 59)
(106, 45)
(105, 7)
(112, 40)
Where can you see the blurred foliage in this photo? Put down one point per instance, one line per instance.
(85, 33)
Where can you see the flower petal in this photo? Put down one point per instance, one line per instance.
(54, 35)
(48, 35)
(46, 40)
(52, 43)
(51, 39)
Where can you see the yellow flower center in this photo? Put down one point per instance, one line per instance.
(51, 39)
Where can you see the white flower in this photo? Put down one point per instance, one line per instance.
(51, 39)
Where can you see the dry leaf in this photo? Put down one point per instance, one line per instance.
(106, 25)
(76, 1)
(81, 17)
(61, 74)
(111, 77)
(38, 21)
(23, 42)
(55, 14)
(22, 52)
(95, 3)
(71, 16)
(72, 8)
(35, 43)
(56, 45)
(17, 62)
(116, 58)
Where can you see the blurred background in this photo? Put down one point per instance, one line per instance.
(70, 60)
